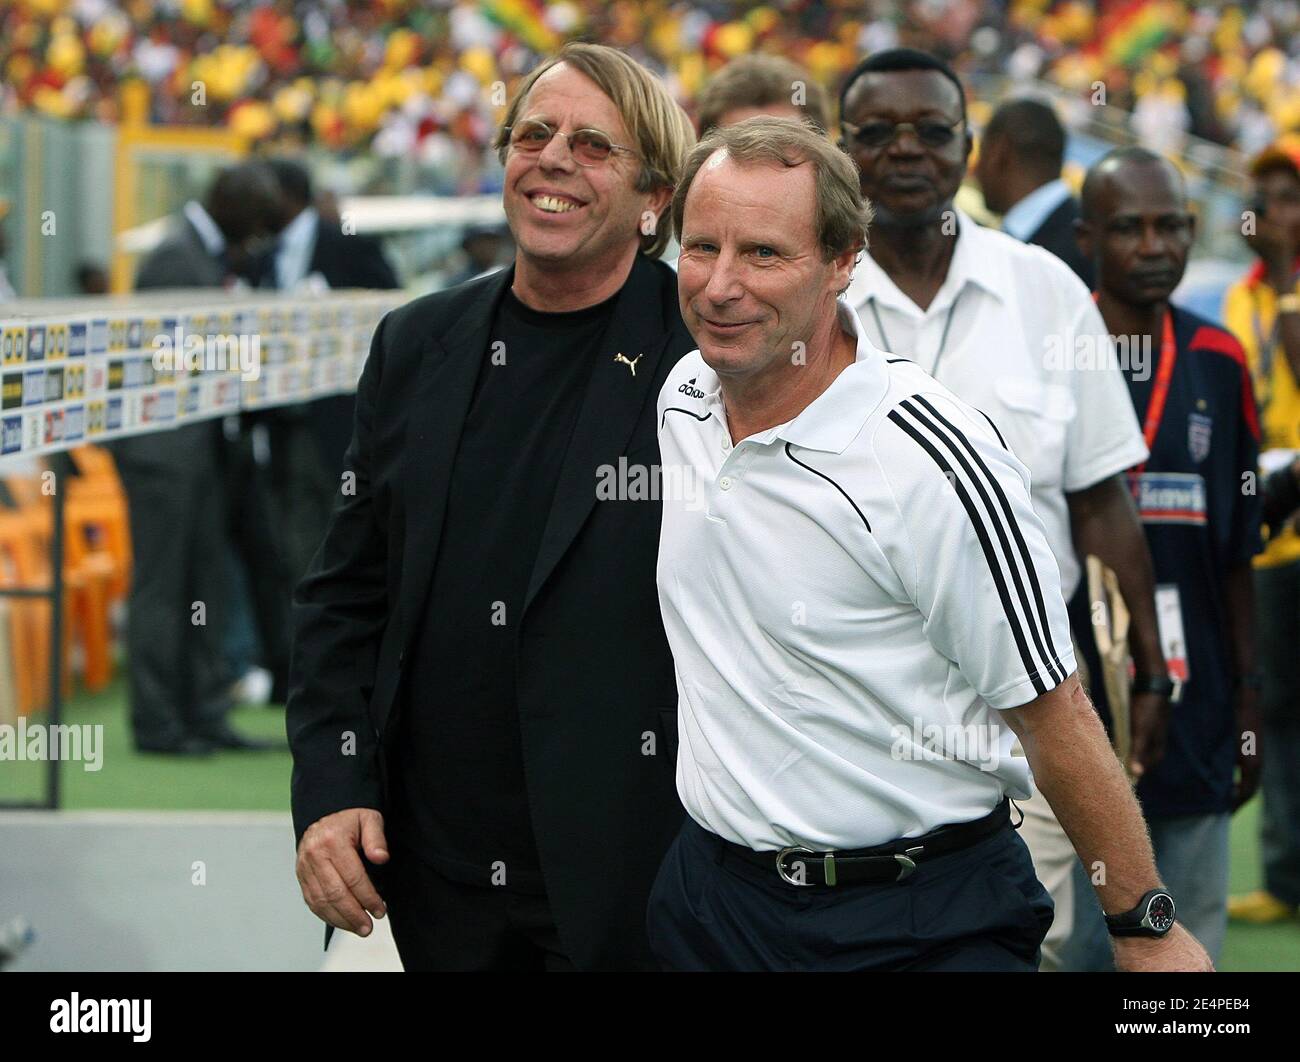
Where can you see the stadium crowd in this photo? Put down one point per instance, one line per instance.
(407, 78)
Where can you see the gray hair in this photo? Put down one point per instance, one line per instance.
(842, 216)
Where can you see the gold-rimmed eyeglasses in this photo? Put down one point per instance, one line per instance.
(590, 147)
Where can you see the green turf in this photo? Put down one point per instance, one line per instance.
(1275, 947)
(242, 781)
(239, 781)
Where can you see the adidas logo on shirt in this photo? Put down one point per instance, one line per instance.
(690, 390)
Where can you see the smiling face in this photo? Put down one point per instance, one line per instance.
(751, 278)
(586, 217)
(907, 182)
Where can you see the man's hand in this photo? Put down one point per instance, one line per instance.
(334, 883)
(1149, 715)
(1249, 758)
(1176, 952)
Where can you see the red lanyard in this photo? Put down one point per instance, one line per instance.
(1160, 391)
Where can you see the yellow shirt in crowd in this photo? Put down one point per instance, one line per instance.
(1249, 313)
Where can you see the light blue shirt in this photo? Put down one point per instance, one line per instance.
(1026, 217)
(297, 243)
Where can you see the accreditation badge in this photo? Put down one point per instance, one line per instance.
(1169, 620)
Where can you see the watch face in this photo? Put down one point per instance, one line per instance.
(1160, 912)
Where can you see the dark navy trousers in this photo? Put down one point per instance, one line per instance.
(978, 909)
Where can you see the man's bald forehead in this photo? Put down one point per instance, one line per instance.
(1119, 171)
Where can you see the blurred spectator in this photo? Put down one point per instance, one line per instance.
(1019, 172)
(177, 614)
(415, 80)
(1200, 424)
(761, 84)
(314, 249)
(92, 278)
(486, 248)
(983, 313)
(308, 444)
(1263, 311)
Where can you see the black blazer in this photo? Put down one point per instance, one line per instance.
(1056, 234)
(350, 261)
(595, 679)
(344, 261)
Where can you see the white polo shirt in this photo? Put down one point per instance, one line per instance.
(1027, 346)
(849, 599)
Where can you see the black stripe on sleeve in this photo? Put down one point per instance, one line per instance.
(1049, 652)
(831, 482)
(990, 554)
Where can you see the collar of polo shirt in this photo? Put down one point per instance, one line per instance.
(832, 420)
(970, 265)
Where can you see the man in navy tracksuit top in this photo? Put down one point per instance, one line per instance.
(1199, 505)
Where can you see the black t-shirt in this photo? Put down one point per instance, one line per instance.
(461, 795)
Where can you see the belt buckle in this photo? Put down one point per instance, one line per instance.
(780, 864)
(905, 861)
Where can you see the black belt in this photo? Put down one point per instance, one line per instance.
(894, 861)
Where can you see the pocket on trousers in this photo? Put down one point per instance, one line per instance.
(1026, 898)
(666, 917)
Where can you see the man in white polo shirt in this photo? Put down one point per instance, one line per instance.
(864, 614)
(1011, 330)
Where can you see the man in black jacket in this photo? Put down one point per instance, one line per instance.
(1019, 172)
(482, 699)
(180, 691)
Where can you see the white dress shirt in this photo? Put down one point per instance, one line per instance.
(1015, 333)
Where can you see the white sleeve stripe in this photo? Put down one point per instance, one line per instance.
(1020, 619)
(1049, 651)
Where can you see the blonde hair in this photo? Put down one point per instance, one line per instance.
(841, 217)
(660, 130)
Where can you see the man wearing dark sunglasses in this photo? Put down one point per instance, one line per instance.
(483, 702)
(1012, 331)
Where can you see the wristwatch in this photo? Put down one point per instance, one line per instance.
(1152, 917)
(1289, 303)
